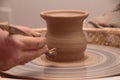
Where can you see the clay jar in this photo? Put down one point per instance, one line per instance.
(64, 32)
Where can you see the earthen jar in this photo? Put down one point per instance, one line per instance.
(65, 33)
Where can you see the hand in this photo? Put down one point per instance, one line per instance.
(19, 49)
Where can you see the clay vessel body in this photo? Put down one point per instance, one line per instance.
(64, 32)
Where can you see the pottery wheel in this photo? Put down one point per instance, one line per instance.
(100, 61)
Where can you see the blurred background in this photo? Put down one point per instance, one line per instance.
(27, 12)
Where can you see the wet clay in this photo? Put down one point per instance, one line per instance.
(65, 33)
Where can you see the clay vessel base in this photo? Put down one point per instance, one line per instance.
(67, 58)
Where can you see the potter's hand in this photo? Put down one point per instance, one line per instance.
(19, 49)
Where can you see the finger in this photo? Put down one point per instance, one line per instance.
(24, 28)
(3, 34)
(27, 30)
(6, 42)
(27, 56)
(28, 43)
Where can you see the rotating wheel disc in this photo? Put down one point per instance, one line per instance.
(100, 61)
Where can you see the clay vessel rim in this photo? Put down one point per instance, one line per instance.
(64, 13)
